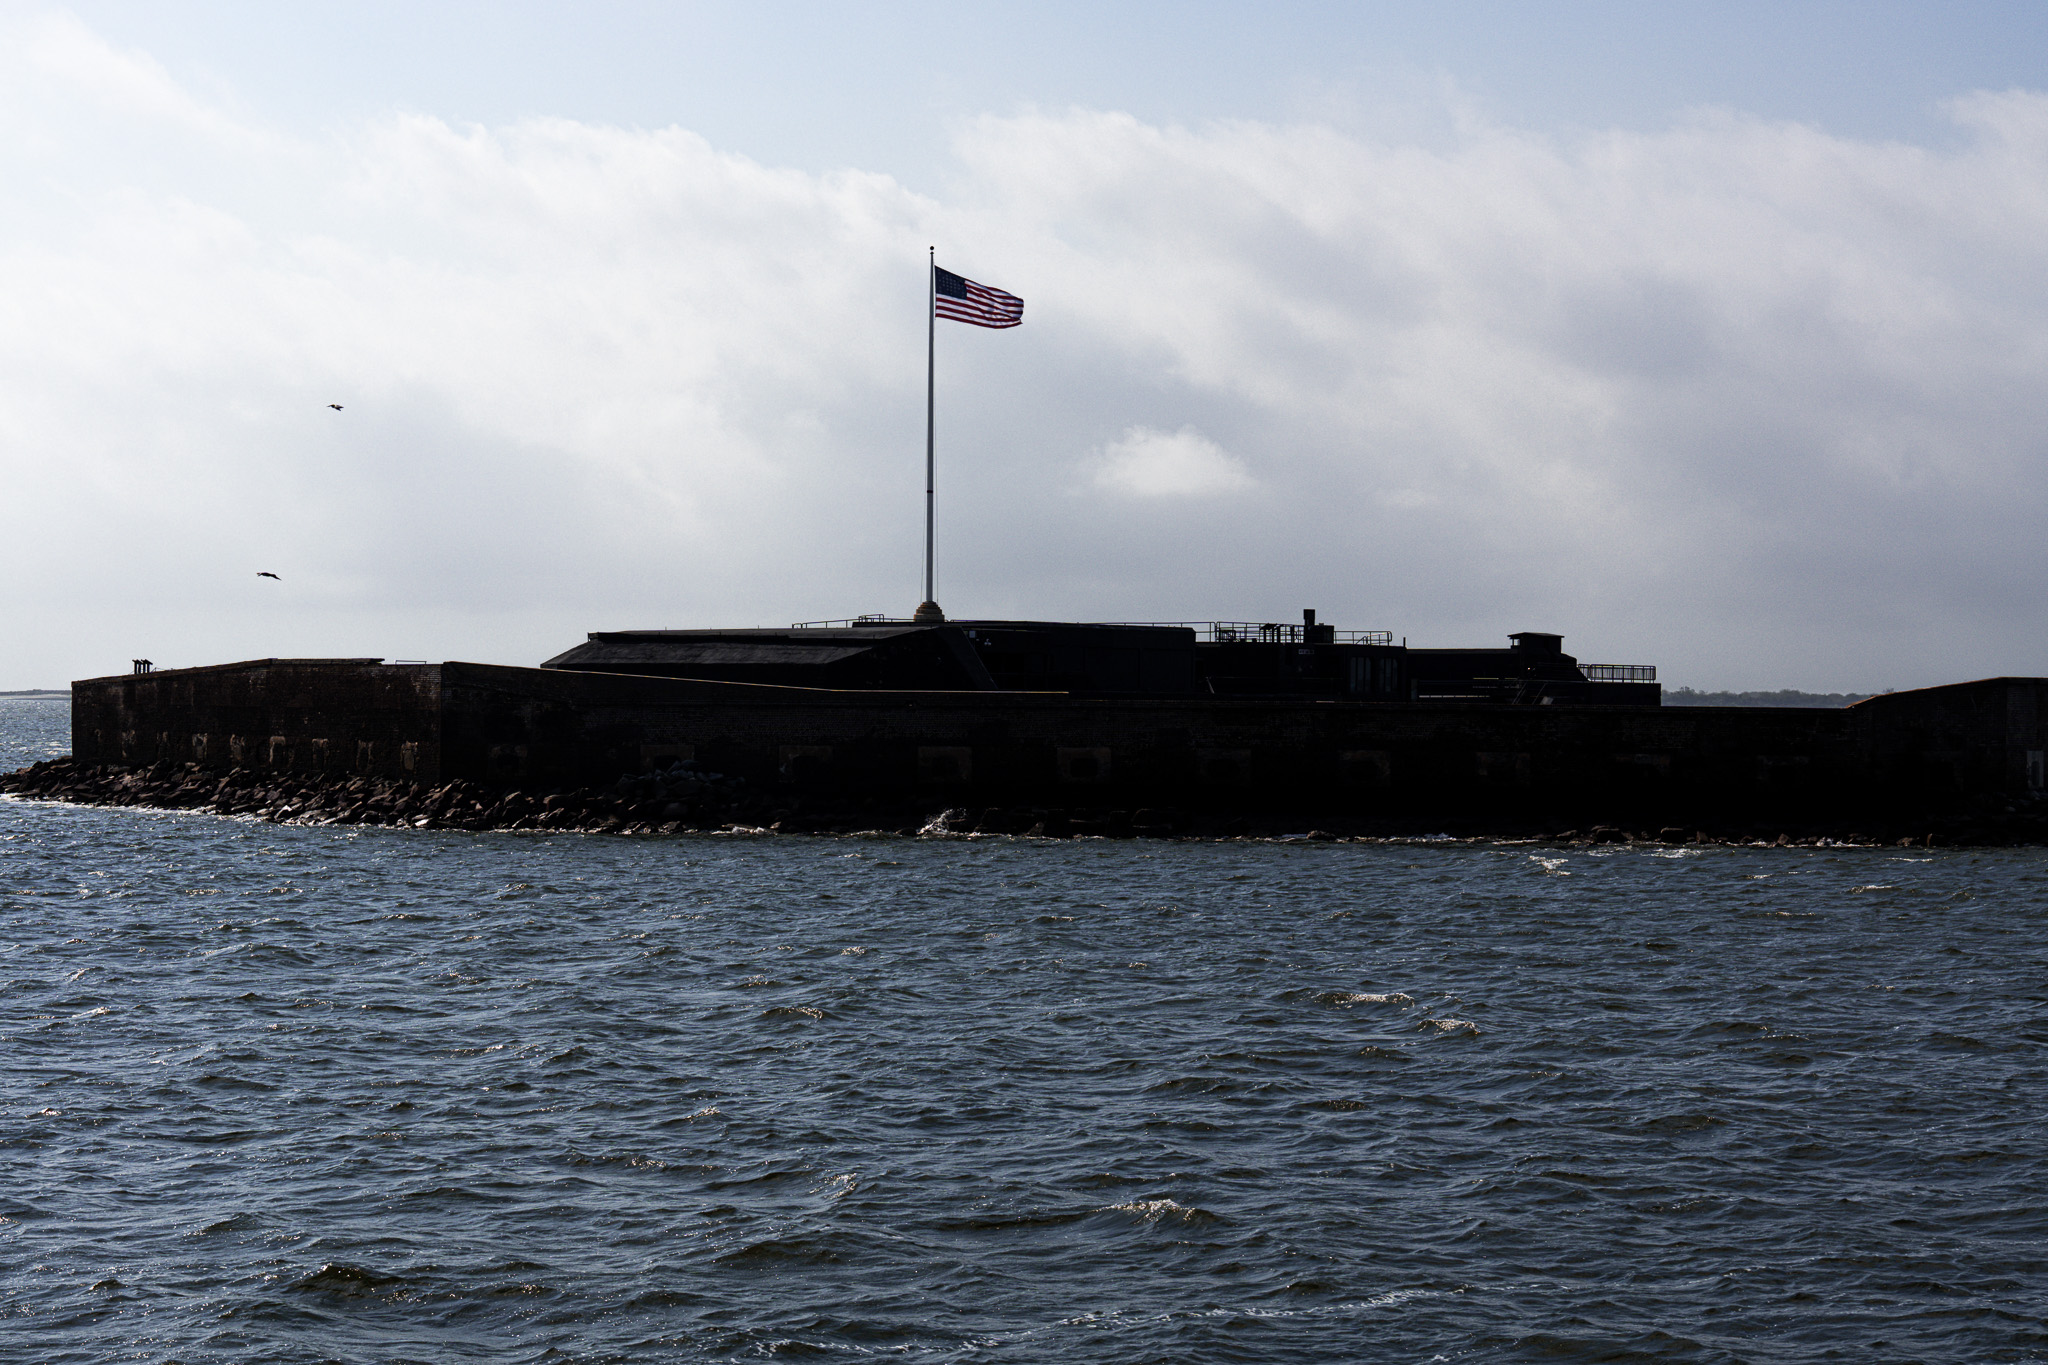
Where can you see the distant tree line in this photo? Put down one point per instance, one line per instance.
(1685, 696)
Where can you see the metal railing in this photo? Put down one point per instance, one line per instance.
(876, 620)
(1213, 632)
(1265, 632)
(1619, 672)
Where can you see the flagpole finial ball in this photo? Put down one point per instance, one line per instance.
(928, 614)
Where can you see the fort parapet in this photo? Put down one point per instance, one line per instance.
(1938, 749)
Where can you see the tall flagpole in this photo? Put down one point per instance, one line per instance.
(928, 610)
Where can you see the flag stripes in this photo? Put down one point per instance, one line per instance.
(962, 300)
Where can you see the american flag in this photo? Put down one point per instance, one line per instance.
(962, 300)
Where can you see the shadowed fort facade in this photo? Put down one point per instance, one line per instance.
(1214, 716)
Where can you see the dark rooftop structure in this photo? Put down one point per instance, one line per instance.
(1533, 670)
(871, 654)
(1108, 659)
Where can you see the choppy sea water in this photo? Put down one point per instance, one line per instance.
(283, 1094)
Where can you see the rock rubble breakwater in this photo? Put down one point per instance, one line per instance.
(683, 798)
(676, 800)
(687, 799)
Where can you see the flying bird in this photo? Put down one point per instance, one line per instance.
(265, 573)
(335, 406)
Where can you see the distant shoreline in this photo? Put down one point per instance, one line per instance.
(39, 693)
(1686, 696)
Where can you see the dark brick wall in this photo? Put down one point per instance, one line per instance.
(1967, 738)
(304, 715)
(1212, 753)
(555, 728)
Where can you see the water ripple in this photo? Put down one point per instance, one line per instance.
(299, 1094)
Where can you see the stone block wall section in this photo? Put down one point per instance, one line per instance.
(1214, 754)
(547, 728)
(1974, 738)
(297, 715)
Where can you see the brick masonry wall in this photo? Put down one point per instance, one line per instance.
(1215, 754)
(546, 728)
(296, 715)
(1975, 737)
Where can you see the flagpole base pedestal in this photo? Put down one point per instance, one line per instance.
(928, 614)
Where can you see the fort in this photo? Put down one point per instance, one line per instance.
(1212, 721)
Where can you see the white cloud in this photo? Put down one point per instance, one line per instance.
(1756, 403)
(1168, 464)
(125, 83)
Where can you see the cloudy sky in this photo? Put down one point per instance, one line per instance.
(1712, 336)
